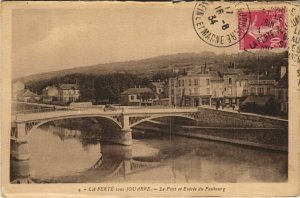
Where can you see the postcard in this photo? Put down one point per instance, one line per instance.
(150, 99)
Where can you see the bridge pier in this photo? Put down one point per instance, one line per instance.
(126, 132)
(20, 150)
(125, 137)
(126, 155)
(20, 170)
(21, 131)
(19, 145)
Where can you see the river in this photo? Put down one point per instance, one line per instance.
(60, 154)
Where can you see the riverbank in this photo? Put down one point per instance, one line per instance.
(266, 138)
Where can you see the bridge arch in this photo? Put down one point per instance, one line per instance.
(162, 116)
(113, 122)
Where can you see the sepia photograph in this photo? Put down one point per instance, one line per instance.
(149, 95)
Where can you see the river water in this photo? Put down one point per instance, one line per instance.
(60, 154)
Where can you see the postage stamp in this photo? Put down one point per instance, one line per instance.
(266, 31)
(213, 22)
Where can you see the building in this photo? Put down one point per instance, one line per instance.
(281, 95)
(242, 83)
(157, 87)
(137, 96)
(217, 87)
(234, 84)
(50, 94)
(261, 87)
(18, 87)
(193, 89)
(262, 104)
(227, 87)
(26, 96)
(68, 93)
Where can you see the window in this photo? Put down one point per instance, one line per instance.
(285, 93)
(260, 91)
(131, 97)
(207, 91)
(230, 81)
(190, 82)
(196, 91)
(179, 83)
(240, 83)
(207, 81)
(281, 107)
(280, 95)
(195, 81)
(190, 91)
(245, 92)
(182, 83)
(214, 93)
(268, 91)
(229, 90)
(252, 90)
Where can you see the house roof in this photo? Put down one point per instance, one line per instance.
(49, 87)
(283, 82)
(271, 76)
(132, 91)
(258, 100)
(158, 84)
(29, 93)
(68, 86)
(234, 71)
(20, 92)
(215, 76)
(242, 77)
(252, 77)
(262, 82)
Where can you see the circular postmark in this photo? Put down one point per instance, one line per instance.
(221, 25)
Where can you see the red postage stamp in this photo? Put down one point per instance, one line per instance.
(266, 30)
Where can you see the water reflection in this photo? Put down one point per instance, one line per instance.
(79, 154)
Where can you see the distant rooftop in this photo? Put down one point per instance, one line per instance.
(262, 82)
(215, 76)
(50, 86)
(69, 86)
(136, 91)
(234, 71)
(158, 84)
(26, 93)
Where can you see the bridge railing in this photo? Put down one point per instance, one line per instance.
(40, 110)
(152, 107)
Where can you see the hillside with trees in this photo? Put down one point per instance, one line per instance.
(99, 83)
(259, 62)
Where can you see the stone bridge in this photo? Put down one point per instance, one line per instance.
(122, 119)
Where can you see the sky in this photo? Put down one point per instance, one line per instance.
(54, 39)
